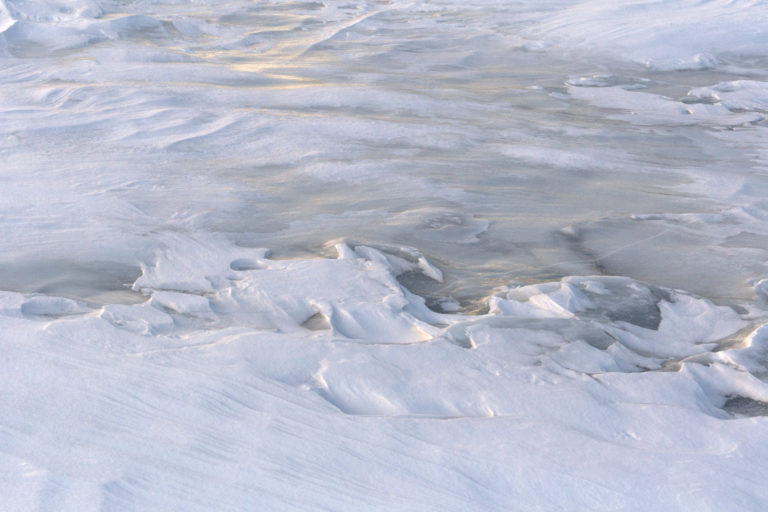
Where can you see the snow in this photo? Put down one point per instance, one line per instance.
(661, 34)
(383, 255)
(222, 399)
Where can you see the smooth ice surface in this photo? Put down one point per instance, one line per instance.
(384, 255)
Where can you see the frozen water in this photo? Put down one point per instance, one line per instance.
(384, 255)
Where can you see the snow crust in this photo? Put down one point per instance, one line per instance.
(217, 392)
(519, 255)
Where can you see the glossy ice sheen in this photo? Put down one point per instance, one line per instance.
(270, 255)
(476, 133)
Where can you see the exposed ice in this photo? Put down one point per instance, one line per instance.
(517, 255)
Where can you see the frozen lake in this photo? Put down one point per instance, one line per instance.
(385, 255)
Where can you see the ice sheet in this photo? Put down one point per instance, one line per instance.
(383, 255)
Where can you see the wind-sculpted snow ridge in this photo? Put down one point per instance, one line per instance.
(244, 382)
(41, 27)
(49, 27)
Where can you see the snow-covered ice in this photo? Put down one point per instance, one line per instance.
(383, 255)
(215, 393)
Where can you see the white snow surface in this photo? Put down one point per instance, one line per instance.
(215, 394)
(661, 34)
(383, 255)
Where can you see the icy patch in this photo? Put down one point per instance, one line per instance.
(646, 108)
(736, 95)
(728, 246)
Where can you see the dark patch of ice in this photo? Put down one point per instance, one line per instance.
(745, 406)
